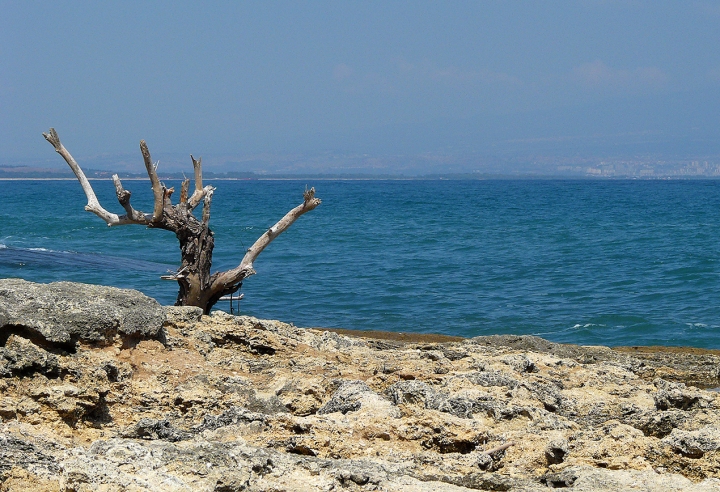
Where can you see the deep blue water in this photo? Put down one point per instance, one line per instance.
(590, 262)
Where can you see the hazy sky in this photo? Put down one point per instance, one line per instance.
(371, 77)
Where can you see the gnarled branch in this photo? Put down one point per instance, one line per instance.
(167, 203)
(184, 190)
(198, 197)
(157, 188)
(93, 205)
(199, 192)
(198, 287)
(123, 196)
(245, 268)
(206, 206)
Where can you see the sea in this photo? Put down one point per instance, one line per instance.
(592, 262)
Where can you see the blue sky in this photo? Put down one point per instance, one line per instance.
(377, 78)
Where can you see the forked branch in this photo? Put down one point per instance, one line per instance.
(123, 196)
(93, 205)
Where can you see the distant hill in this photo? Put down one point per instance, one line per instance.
(37, 172)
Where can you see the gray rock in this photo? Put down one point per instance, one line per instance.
(419, 393)
(148, 428)
(414, 393)
(587, 479)
(268, 406)
(548, 393)
(233, 482)
(219, 466)
(540, 345)
(563, 479)
(556, 451)
(692, 367)
(492, 378)
(520, 363)
(485, 461)
(677, 395)
(510, 412)
(694, 444)
(24, 357)
(355, 475)
(458, 406)
(481, 481)
(232, 416)
(64, 313)
(329, 340)
(657, 423)
(24, 454)
(183, 314)
(346, 398)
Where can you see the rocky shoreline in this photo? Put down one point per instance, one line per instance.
(103, 389)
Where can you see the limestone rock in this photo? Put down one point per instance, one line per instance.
(602, 480)
(232, 416)
(183, 314)
(17, 452)
(417, 392)
(148, 428)
(65, 313)
(346, 398)
(556, 451)
(226, 403)
(23, 356)
(694, 444)
(677, 395)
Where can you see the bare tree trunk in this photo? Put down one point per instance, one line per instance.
(197, 285)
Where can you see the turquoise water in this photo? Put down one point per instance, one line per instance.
(591, 262)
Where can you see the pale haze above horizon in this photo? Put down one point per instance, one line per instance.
(240, 80)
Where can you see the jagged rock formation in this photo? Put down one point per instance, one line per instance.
(224, 403)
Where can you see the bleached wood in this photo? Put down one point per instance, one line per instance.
(157, 188)
(197, 168)
(123, 196)
(198, 196)
(499, 448)
(93, 205)
(206, 207)
(245, 268)
(184, 190)
(199, 193)
(167, 203)
(198, 287)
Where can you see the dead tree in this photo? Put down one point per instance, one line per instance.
(198, 286)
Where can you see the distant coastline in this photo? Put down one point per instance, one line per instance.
(105, 176)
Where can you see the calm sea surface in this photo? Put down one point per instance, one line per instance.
(590, 262)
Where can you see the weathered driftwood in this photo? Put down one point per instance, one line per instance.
(499, 448)
(198, 286)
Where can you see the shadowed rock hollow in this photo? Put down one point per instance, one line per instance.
(225, 403)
